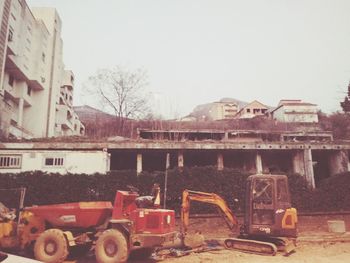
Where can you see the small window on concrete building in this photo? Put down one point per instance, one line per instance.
(10, 161)
(10, 35)
(54, 161)
(43, 57)
(248, 110)
(29, 90)
(11, 80)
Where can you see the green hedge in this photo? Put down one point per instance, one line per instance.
(43, 188)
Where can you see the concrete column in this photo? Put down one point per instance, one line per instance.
(338, 162)
(139, 163)
(180, 159)
(298, 163)
(309, 169)
(20, 112)
(258, 163)
(220, 161)
(226, 136)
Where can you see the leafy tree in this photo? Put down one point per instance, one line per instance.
(345, 105)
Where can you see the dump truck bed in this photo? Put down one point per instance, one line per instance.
(80, 214)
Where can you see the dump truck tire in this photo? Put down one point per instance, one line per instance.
(51, 246)
(111, 247)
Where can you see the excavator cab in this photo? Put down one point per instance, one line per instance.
(268, 209)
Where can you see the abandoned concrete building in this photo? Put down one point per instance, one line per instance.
(295, 111)
(313, 155)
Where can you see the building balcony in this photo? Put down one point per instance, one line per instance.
(66, 96)
(64, 117)
(11, 48)
(15, 94)
(19, 132)
(68, 79)
(15, 67)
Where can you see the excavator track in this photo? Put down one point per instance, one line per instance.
(251, 246)
(283, 244)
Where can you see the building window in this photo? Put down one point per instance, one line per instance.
(29, 90)
(11, 80)
(43, 57)
(10, 36)
(54, 161)
(12, 161)
(248, 110)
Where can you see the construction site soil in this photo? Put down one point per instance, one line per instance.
(315, 244)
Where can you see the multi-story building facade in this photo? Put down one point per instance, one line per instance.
(225, 109)
(295, 111)
(36, 90)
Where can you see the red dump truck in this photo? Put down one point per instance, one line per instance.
(114, 230)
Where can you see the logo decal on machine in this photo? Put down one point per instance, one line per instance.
(68, 218)
(267, 230)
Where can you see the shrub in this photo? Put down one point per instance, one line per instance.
(43, 188)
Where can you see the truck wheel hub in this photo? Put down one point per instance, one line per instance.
(50, 248)
(111, 248)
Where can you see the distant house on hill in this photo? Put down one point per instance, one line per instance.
(252, 110)
(295, 111)
(224, 109)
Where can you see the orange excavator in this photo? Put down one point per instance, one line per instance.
(270, 222)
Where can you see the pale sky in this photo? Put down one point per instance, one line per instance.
(198, 51)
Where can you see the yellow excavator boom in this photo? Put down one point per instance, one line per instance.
(208, 198)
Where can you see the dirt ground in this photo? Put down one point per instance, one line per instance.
(306, 253)
(315, 244)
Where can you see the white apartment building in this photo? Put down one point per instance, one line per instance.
(36, 90)
(220, 110)
(295, 111)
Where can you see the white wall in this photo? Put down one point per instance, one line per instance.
(88, 162)
(296, 113)
(279, 114)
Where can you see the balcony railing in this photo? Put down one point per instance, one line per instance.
(19, 132)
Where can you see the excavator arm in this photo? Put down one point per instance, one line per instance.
(209, 198)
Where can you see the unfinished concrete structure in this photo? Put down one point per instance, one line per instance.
(315, 160)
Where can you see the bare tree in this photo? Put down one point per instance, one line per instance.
(121, 91)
